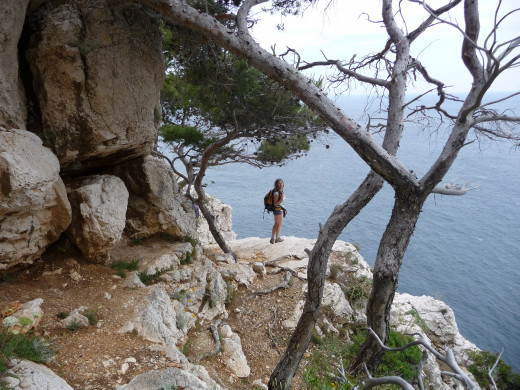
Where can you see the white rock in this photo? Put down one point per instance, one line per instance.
(334, 298)
(34, 208)
(133, 281)
(34, 376)
(156, 320)
(258, 383)
(173, 376)
(243, 274)
(233, 354)
(98, 105)
(224, 258)
(157, 204)
(74, 275)
(259, 268)
(124, 367)
(99, 215)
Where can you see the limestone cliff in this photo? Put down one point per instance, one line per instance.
(80, 89)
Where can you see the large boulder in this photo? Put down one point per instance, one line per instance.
(12, 99)
(34, 209)
(97, 73)
(156, 203)
(99, 209)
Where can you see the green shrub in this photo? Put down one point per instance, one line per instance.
(167, 237)
(188, 259)
(504, 376)
(26, 346)
(418, 320)
(92, 316)
(62, 315)
(403, 363)
(320, 370)
(150, 279)
(122, 266)
(335, 271)
(193, 241)
(231, 292)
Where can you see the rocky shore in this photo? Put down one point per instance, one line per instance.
(162, 334)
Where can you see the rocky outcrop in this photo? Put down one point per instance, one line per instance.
(13, 112)
(233, 354)
(156, 204)
(436, 319)
(97, 72)
(92, 72)
(99, 209)
(174, 378)
(26, 375)
(34, 209)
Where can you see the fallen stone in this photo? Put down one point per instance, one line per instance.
(133, 281)
(32, 376)
(172, 376)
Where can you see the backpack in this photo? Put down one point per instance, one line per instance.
(269, 201)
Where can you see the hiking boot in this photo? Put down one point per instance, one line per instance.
(279, 239)
(272, 240)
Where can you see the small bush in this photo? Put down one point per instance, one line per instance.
(231, 292)
(92, 316)
(503, 375)
(124, 265)
(193, 241)
(320, 371)
(335, 271)
(402, 363)
(62, 315)
(358, 290)
(418, 320)
(74, 326)
(149, 279)
(167, 237)
(27, 346)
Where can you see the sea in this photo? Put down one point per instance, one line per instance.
(465, 249)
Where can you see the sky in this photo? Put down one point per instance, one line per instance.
(343, 30)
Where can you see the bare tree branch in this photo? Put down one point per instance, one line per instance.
(490, 371)
(454, 189)
(395, 380)
(449, 359)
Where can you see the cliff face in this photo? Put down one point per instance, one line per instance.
(80, 104)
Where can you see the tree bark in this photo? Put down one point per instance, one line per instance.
(393, 245)
(201, 195)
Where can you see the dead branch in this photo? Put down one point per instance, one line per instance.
(490, 372)
(286, 269)
(396, 380)
(269, 330)
(284, 284)
(214, 331)
(453, 189)
(449, 360)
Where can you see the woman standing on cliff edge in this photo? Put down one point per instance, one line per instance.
(279, 211)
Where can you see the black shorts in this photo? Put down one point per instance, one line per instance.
(277, 212)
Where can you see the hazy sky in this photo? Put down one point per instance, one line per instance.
(342, 31)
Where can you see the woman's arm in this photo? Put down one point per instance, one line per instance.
(277, 199)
